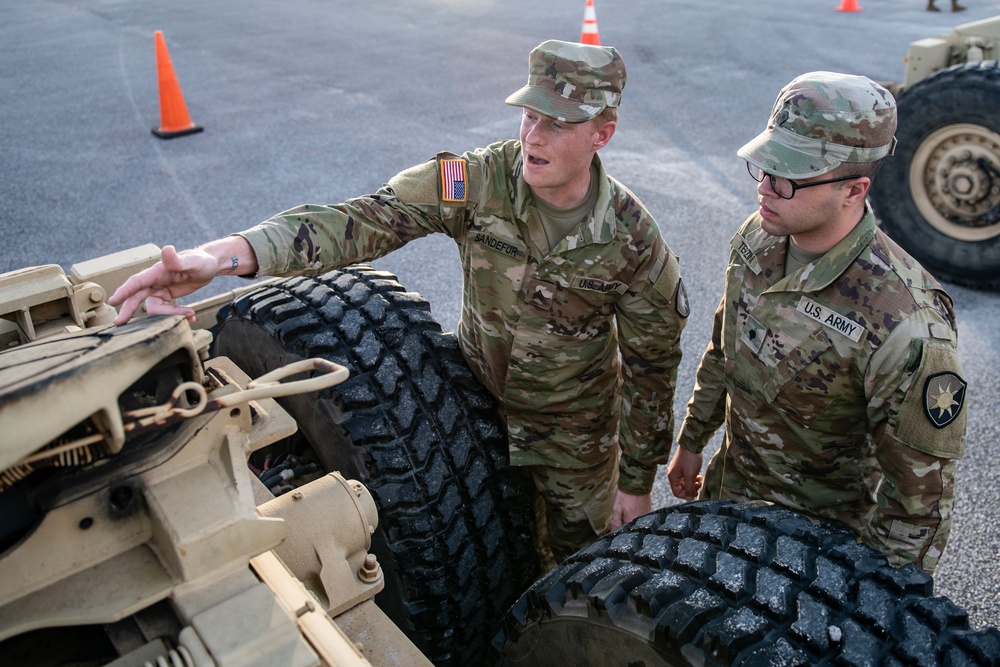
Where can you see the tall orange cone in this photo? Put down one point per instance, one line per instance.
(589, 34)
(848, 6)
(174, 118)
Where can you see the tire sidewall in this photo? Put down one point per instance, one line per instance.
(946, 98)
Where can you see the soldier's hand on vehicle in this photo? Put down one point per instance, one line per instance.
(684, 474)
(175, 275)
(629, 506)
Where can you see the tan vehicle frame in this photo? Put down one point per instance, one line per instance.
(254, 579)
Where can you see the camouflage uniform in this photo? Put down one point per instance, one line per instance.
(839, 385)
(580, 342)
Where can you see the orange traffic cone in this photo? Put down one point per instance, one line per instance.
(589, 34)
(174, 118)
(848, 6)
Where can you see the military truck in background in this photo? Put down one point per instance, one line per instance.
(939, 196)
(353, 505)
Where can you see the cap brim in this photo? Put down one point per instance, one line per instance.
(549, 104)
(764, 152)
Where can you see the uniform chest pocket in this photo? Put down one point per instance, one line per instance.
(800, 379)
(575, 312)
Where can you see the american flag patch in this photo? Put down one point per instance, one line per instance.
(452, 180)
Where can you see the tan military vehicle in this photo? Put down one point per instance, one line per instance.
(310, 476)
(156, 503)
(939, 196)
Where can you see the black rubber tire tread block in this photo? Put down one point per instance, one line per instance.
(965, 93)
(455, 536)
(719, 583)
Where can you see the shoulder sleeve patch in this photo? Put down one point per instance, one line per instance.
(667, 289)
(932, 417)
(453, 180)
(944, 396)
(681, 302)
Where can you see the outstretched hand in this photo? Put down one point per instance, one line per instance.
(174, 276)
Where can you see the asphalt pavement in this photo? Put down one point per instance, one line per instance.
(318, 100)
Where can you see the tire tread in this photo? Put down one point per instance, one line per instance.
(722, 583)
(425, 437)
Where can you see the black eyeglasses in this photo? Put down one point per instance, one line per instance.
(786, 188)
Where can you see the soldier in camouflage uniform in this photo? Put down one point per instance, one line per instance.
(833, 360)
(573, 304)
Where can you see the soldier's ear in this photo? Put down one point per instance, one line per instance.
(604, 132)
(856, 190)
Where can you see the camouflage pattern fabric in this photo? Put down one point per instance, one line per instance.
(576, 507)
(840, 388)
(821, 120)
(571, 82)
(580, 342)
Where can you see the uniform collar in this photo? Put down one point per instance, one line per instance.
(769, 251)
(599, 226)
(823, 272)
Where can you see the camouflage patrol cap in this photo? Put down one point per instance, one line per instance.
(571, 82)
(822, 120)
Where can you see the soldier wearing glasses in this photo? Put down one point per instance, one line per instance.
(833, 361)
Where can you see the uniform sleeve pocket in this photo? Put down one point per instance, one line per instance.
(932, 415)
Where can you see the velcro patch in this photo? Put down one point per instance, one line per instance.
(934, 400)
(453, 179)
(598, 285)
(944, 396)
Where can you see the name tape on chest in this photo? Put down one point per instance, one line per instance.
(831, 319)
(498, 245)
(453, 180)
(745, 252)
(598, 285)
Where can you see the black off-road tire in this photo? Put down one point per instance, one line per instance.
(455, 535)
(719, 583)
(939, 195)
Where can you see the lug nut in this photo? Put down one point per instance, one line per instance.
(370, 571)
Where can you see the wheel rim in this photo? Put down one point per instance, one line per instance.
(955, 180)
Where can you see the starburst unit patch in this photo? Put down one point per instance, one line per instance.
(944, 397)
(453, 180)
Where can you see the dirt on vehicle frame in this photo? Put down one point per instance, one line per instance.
(147, 512)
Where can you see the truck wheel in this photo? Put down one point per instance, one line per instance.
(939, 195)
(719, 583)
(455, 536)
